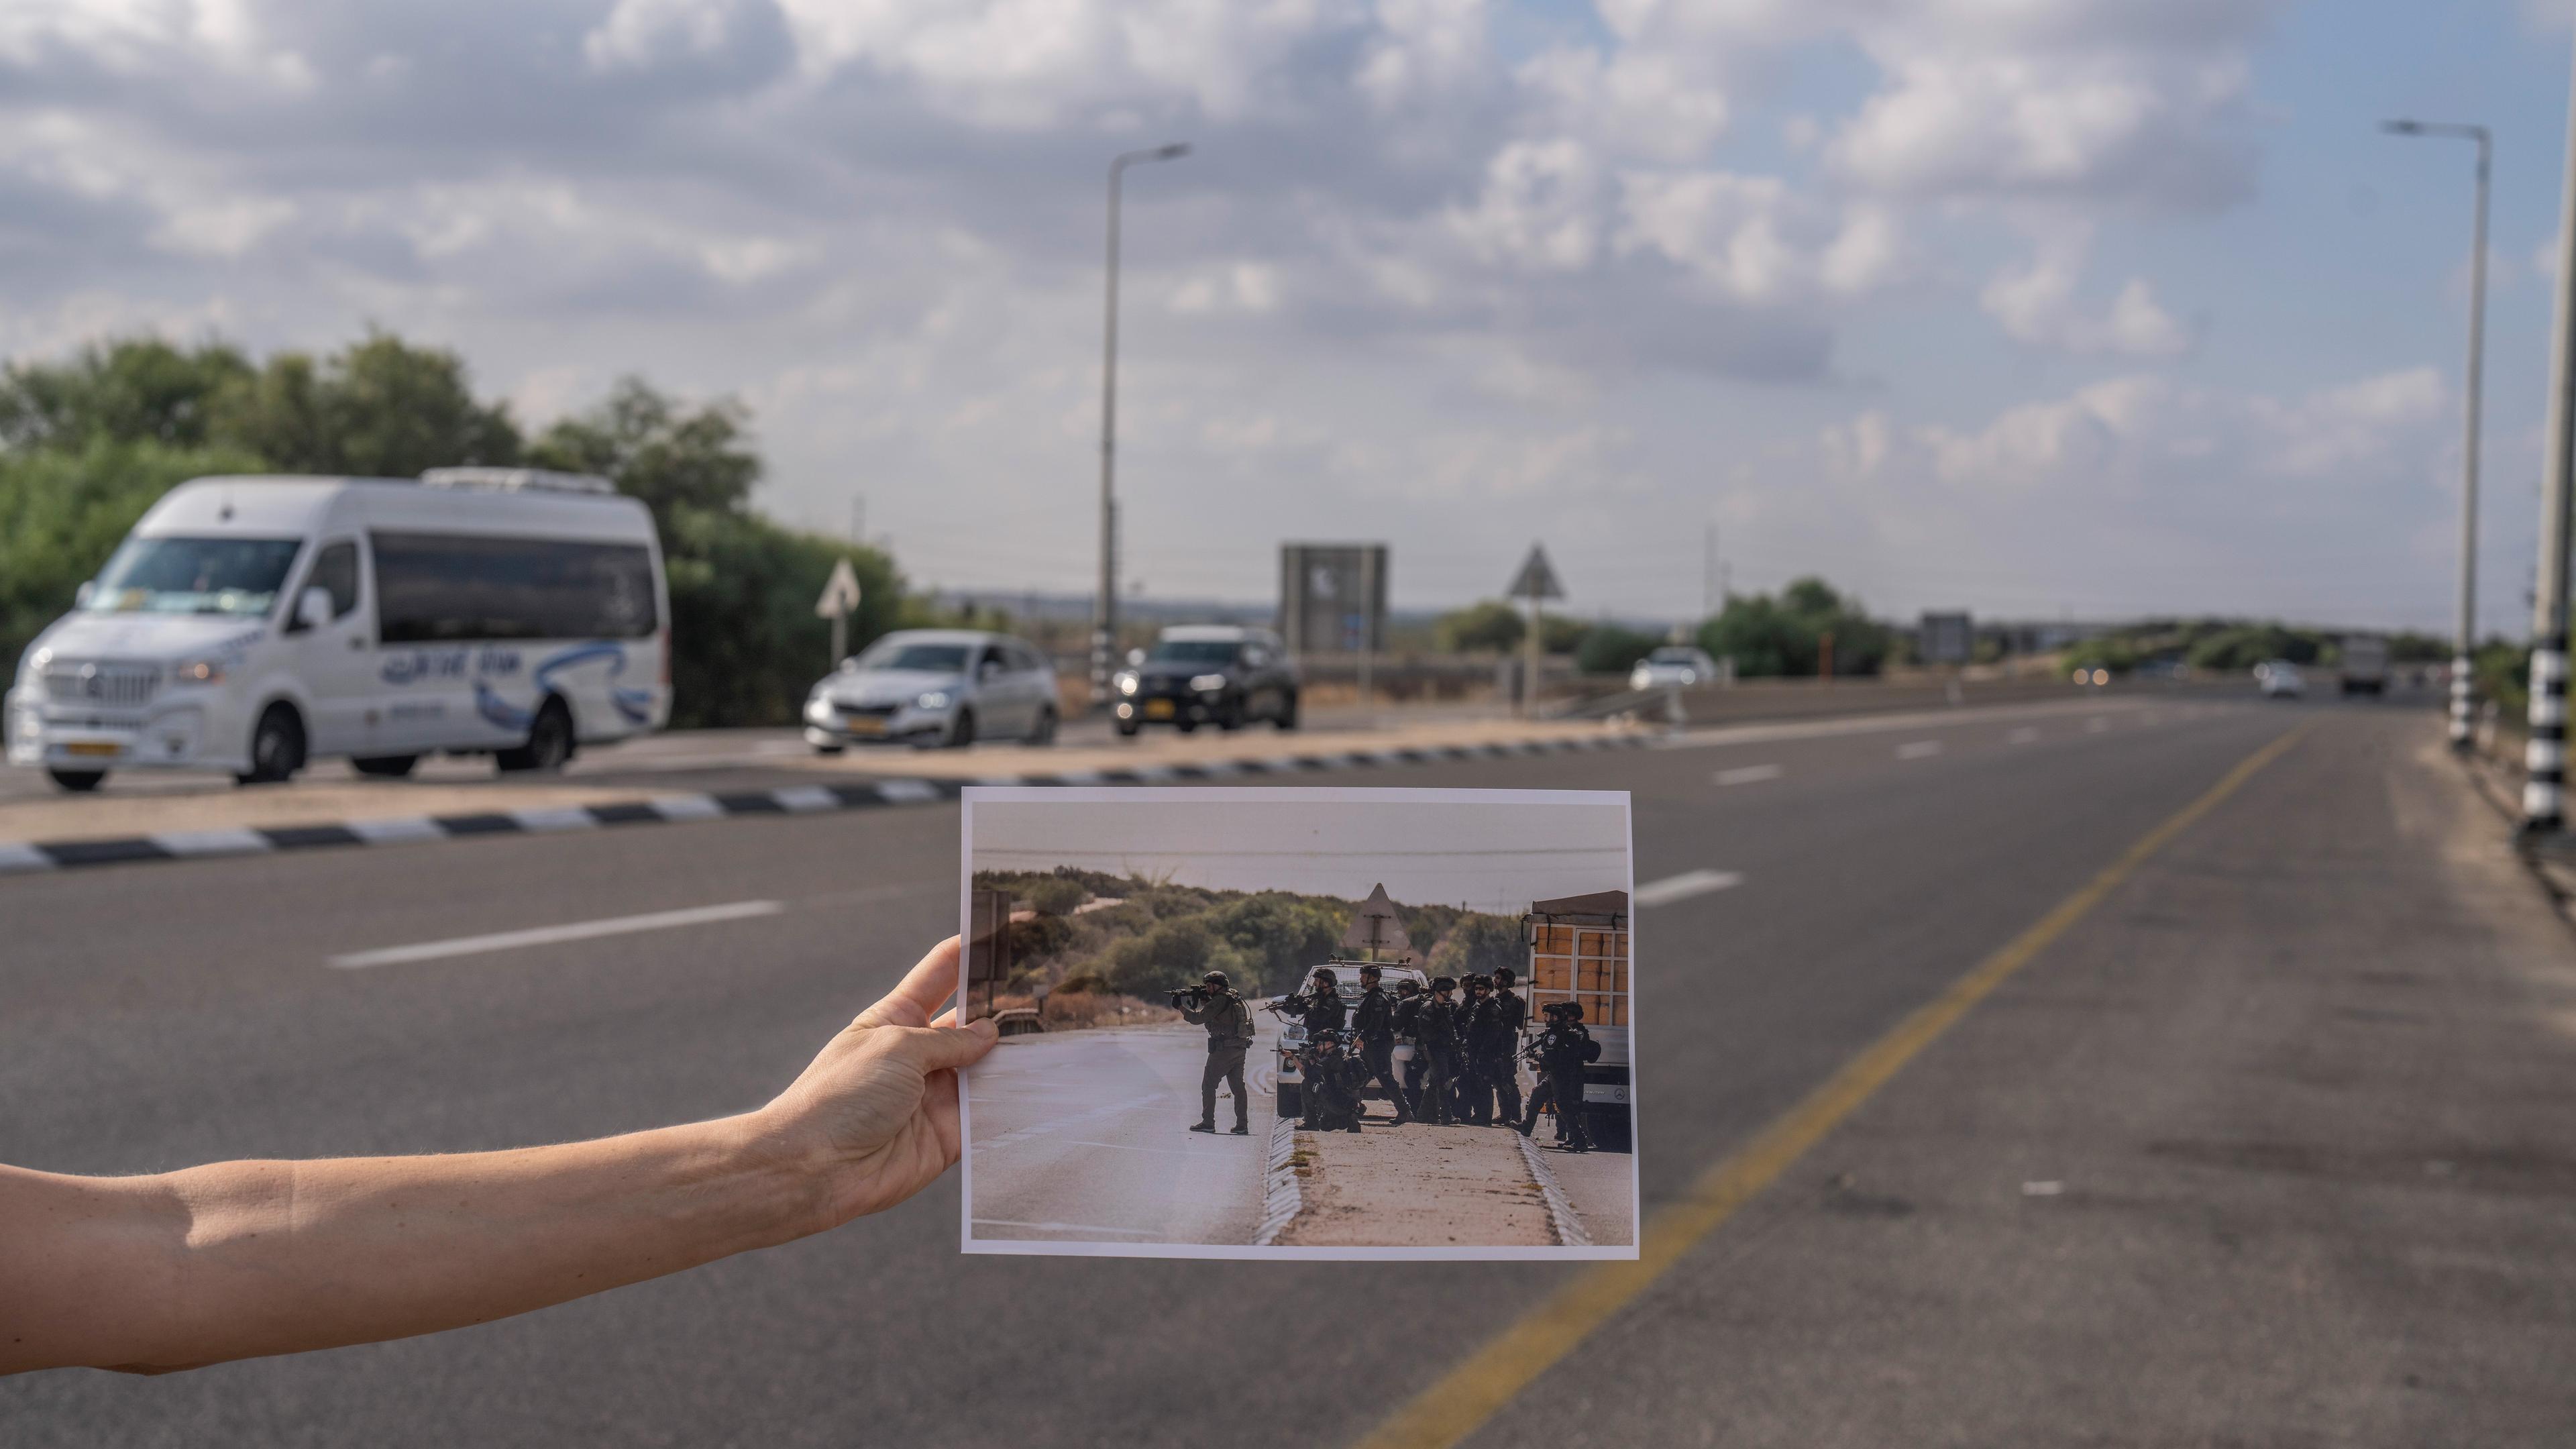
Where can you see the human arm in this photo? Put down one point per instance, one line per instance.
(240, 1259)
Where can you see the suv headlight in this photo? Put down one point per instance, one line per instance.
(1207, 683)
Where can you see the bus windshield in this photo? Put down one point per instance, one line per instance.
(238, 576)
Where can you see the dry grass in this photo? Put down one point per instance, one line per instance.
(1076, 1010)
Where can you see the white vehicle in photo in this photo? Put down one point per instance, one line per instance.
(2280, 679)
(1674, 666)
(935, 687)
(255, 624)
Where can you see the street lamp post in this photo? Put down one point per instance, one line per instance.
(2544, 785)
(2462, 730)
(1104, 613)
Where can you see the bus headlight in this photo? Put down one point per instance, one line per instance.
(198, 671)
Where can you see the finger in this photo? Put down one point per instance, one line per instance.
(947, 1048)
(928, 983)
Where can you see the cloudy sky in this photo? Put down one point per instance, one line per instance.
(2027, 306)
(1424, 846)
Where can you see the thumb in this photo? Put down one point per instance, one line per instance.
(947, 1048)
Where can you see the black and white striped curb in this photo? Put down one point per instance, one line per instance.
(42, 855)
(1562, 1220)
(1282, 1198)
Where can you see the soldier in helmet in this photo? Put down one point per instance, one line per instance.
(1562, 1050)
(1408, 1023)
(1333, 1081)
(1373, 1032)
(1506, 1074)
(1438, 1034)
(1229, 1027)
(1319, 1007)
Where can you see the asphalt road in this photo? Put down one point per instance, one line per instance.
(2301, 1082)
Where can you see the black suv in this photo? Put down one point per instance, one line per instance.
(1209, 674)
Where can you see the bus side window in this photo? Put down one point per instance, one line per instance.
(335, 571)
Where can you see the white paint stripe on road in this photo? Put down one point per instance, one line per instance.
(1887, 723)
(399, 830)
(805, 799)
(1684, 886)
(1749, 774)
(686, 807)
(1918, 749)
(902, 791)
(2026, 735)
(553, 935)
(542, 822)
(15, 857)
(213, 842)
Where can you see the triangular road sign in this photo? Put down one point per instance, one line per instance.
(841, 595)
(1377, 929)
(1536, 580)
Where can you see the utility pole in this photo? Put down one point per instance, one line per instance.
(2545, 760)
(1708, 595)
(2462, 707)
(1104, 616)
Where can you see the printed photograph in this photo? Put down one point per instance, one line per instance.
(1329, 1023)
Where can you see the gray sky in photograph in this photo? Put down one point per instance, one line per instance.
(1488, 857)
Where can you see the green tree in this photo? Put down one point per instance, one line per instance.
(62, 512)
(136, 390)
(1489, 624)
(673, 457)
(1609, 649)
(1782, 635)
(1478, 944)
(378, 408)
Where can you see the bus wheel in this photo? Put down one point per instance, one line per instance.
(79, 782)
(549, 745)
(276, 747)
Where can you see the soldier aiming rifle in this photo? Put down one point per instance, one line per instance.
(1563, 1049)
(1213, 1004)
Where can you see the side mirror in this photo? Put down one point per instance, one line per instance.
(86, 592)
(1135, 657)
(313, 608)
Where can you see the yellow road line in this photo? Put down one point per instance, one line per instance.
(1476, 1390)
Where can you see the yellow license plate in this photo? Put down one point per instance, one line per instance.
(1158, 709)
(864, 725)
(95, 749)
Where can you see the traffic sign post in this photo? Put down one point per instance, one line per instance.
(840, 596)
(1535, 581)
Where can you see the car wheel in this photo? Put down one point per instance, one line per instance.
(276, 747)
(388, 767)
(961, 733)
(1127, 729)
(1043, 732)
(79, 782)
(1229, 716)
(1185, 724)
(1286, 718)
(549, 746)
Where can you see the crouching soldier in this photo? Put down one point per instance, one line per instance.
(1563, 1049)
(1373, 1028)
(1229, 1027)
(1333, 1082)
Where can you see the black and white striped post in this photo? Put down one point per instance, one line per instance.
(2544, 787)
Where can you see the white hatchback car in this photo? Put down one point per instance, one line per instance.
(2280, 679)
(935, 687)
(1674, 666)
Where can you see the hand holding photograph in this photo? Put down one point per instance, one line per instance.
(1299, 1023)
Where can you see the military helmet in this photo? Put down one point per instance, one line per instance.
(1407, 987)
(1444, 983)
(1325, 975)
(1370, 970)
(1214, 978)
(1574, 1011)
(1502, 976)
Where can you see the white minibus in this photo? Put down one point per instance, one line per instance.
(252, 624)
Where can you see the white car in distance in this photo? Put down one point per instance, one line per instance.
(935, 688)
(2280, 679)
(1674, 666)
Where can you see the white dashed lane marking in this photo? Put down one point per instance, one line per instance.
(1918, 749)
(1684, 886)
(1749, 774)
(553, 935)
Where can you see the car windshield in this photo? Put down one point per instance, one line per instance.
(239, 576)
(918, 658)
(1193, 651)
(1672, 656)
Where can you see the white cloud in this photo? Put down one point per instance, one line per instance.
(1539, 209)
(2036, 303)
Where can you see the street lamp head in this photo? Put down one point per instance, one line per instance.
(2402, 128)
(1172, 152)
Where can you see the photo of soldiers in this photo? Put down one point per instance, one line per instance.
(1300, 951)
(1437, 1036)
(1229, 1037)
(1373, 1028)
